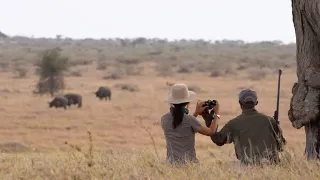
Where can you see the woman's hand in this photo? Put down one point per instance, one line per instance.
(200, 108)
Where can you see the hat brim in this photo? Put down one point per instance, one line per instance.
(189, 98)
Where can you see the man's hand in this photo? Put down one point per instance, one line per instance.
(207, 117)
(216, 108)
(200, 108)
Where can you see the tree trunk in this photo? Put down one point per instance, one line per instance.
(312, 140)
(304, 105)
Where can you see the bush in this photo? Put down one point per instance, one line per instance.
(113, 76)
(102, 65)
(164, 70)
(257, 74)
(128, 87)
(76, 73)
(184, 69)
(20, 72)
(216, 73)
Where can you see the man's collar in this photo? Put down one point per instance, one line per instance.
(249, 111)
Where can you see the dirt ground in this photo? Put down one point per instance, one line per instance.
(27, 119)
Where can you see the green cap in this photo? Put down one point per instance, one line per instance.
(248, 96)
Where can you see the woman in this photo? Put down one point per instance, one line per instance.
(179, 127)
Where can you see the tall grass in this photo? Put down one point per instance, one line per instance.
(144, 164)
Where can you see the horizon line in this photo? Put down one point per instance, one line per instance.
(148, 38)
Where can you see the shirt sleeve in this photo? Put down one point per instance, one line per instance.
(224, 136)
(195, 124)
(161, 121)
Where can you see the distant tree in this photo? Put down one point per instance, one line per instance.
(124, 42)
(2, 35)
(50, 68)
(58, 37)
(139, 40)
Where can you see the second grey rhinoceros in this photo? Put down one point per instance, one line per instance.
(74, 98)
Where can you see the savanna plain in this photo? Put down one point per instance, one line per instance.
(122, 138)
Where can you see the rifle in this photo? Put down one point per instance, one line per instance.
(276, 112)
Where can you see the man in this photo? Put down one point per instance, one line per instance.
(255, 135)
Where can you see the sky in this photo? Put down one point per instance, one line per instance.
(248, 20)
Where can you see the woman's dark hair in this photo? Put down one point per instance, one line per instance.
(177, 112)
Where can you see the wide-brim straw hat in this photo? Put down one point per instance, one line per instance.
(179, 93)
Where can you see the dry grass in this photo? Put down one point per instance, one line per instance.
(142, 164)
(121, 147)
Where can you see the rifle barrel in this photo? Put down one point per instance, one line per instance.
(278, 94)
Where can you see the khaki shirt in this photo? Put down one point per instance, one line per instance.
(255, 136)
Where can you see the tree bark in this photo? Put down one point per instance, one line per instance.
(304, 105)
